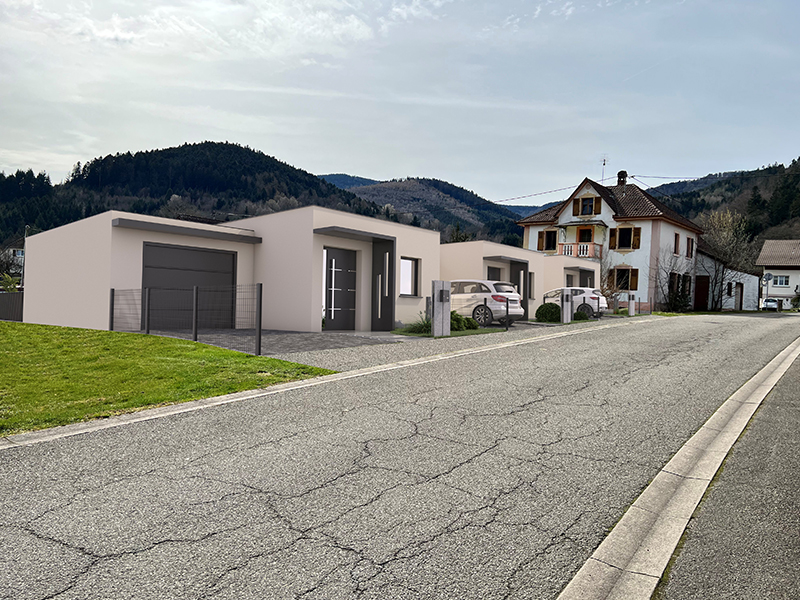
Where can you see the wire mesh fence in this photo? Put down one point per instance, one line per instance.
(228, 317)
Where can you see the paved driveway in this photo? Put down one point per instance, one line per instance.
(491, 474)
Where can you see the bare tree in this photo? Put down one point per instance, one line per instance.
(731, 248)
(671, 279)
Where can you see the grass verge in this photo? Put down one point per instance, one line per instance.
(53, 376)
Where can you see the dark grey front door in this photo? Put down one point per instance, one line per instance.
(340, 289)
(519, 277)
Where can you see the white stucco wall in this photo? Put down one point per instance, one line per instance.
(782, 292)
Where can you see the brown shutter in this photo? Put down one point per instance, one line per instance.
(612, 238)
(637, 237)
(576, 207)
(540, 244)
(597, 205)
(634, 279)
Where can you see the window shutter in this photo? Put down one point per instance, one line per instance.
(597, 205)
(612, 279)
(637, 237)
(634, 279)
(576, 207)
(612, 238)
(540, 244)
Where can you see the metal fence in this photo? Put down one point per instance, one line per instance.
(229, 317)
(11, 306)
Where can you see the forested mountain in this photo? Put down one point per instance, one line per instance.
(525, 211)
(769, 197)
(459, 213)
(220, 181)
(346, 182)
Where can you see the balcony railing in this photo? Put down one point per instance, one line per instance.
(581, 250)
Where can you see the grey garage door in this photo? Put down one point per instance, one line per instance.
(171, 272)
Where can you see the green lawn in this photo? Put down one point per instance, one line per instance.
(57, 375)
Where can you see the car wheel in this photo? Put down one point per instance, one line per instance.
(586, 309)
(483, 315)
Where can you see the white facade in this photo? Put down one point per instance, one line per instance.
(644, 249)
(784, 285)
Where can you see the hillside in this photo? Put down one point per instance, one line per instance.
(346, 182)
(441, 205)
(769, 197)
(211, 180)
(526, 211)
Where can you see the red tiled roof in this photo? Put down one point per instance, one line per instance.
(780, 253)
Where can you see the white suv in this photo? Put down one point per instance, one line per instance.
(589, 301)
(485, 301)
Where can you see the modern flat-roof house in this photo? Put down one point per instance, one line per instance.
(780, 258)
(374, 272)
(644, 247)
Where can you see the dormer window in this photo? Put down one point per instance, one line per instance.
(586, 207)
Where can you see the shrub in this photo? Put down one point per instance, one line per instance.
(471, 323)
(580, 316)
(623, 311)
(549, 313)
(457, 322)
(421, 325)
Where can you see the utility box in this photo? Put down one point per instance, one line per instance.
(440, 308)
(631, 305)
(566, 306)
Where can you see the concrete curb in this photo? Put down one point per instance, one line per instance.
(55, 433)
(629, 563)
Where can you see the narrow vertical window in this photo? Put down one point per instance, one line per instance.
(409, 276)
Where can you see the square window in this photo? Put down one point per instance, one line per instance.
(623, 279)
(550, 240)
(409, 276)
(781, 280)
(584, 236)
(494, 274)
(625, 238)
(587, 206)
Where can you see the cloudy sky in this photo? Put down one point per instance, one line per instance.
(506, 98)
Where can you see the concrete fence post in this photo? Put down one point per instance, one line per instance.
(631, 305)
(566, 306)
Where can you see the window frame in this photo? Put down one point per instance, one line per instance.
(783, 277)
(689, 247)
(554, 234)
(677, 248)
(414, 280)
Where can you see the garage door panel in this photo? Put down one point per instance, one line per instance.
(178, 267)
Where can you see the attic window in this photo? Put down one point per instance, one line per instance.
(585, 207)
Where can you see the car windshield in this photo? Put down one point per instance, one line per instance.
(505, 288)
(553, 294)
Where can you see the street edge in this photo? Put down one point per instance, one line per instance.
(630, 561)
(55, 433)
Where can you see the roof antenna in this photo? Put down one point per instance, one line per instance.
(603, 173)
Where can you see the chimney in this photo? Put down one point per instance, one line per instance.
(622, 177)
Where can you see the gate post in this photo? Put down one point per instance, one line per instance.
(259, 294)
(147, 310)
(195, 302)
(111, 311)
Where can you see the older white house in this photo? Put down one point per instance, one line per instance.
(644, 248)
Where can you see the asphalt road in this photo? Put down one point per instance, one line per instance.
(489, 475)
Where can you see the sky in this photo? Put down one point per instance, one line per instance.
(506, 98)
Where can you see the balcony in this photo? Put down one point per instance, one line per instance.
(581, 250)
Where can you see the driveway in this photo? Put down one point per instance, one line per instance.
(485, 474)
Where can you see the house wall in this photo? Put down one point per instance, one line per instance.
(782, 292)
(71, 269)
(68, 274)
(292, 257)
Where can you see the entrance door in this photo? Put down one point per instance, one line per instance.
(519, 277)
(340, 290)
(701, 286)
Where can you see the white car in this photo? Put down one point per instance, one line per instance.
(589, 301)
(485, 301)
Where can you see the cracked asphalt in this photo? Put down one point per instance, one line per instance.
(490, 475)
